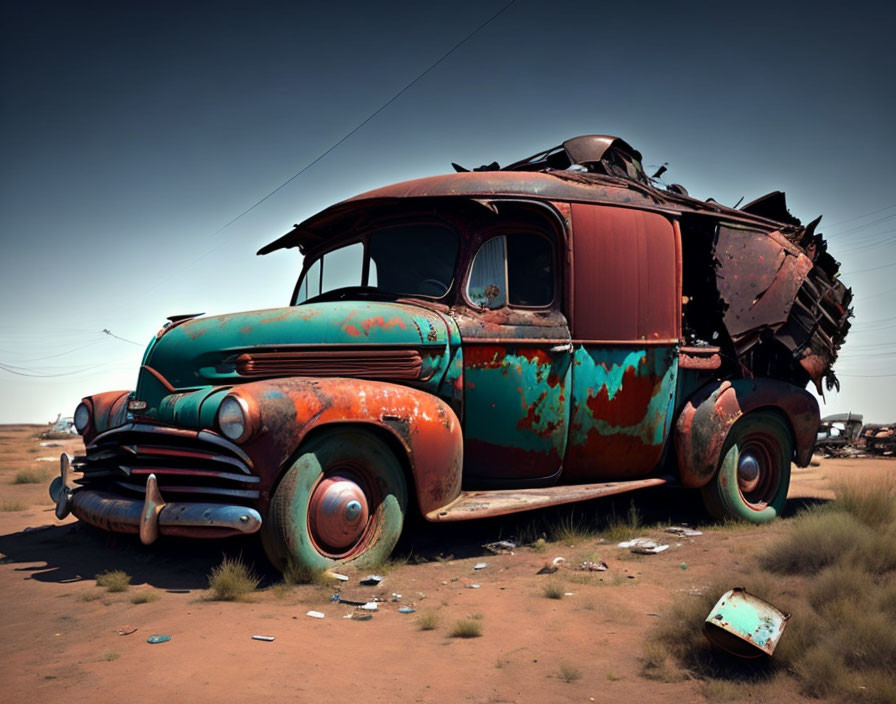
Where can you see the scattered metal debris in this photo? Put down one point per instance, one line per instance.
(480, 566)
(684, 531)
(500, 547)
(591, 566)
(125, 630)
(371, 580)
(264, 638)
(315, 614)
(158, 638)
(473, 586)
(337, 576)
(370, 606)
(744, 624)
(643, 546)
(406, 610)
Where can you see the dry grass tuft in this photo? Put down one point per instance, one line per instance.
(428, 620)
(145, 597)
(553, 590)
(114, 580)
(572, 529)
(568, 673)
(466, 628)
(110, 655)
(31, 476)
(295, 573)
(624, 527)
(232, 580)
(9, 506)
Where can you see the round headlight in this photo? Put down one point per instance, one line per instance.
(82, 417)
(233, 418)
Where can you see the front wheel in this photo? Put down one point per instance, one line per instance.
(341, 501)
(754, 475)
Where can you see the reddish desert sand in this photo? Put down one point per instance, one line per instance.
(60, 639)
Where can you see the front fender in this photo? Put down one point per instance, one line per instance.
(107, 410)
(425, 427)
(708, 415)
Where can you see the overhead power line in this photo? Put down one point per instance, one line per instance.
(117, 337)
(32, 373)
(342, 139)
(371, 116)
(863, 215)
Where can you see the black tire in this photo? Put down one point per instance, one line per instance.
(341, 501)
(753, 477)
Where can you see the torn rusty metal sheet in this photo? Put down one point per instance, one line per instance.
(745, 625)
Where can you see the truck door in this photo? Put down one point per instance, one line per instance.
(517, 354)
(626, 327)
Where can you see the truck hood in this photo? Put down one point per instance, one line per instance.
(372, 340)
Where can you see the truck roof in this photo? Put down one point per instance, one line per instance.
(588, 169)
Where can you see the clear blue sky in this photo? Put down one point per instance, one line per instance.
(132, 131)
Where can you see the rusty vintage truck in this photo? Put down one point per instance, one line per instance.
(477, 344)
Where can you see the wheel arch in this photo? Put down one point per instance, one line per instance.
(422, 430)
(703, 427)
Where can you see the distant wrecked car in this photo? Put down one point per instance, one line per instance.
(879, 439)
(478, 344)
(837, 434)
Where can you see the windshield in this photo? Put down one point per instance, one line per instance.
(409, 260)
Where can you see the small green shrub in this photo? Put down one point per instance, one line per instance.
(114, 580)
(232, 580)
(466, 628)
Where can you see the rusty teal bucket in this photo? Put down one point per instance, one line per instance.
(744, 624)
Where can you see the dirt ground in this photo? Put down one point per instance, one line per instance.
(60, 631)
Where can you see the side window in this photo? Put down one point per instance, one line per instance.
(487, 287)
(517, 270)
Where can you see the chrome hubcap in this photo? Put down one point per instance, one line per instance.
(748, 472)
(338, 512)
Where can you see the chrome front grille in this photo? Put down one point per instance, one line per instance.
(189, 465)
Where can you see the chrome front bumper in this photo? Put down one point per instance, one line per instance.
(152, 516)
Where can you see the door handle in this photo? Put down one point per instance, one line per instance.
(565, 347)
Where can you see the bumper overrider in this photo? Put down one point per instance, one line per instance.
(120, 488)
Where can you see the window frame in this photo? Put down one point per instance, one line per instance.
(508, 230)
(364, 238)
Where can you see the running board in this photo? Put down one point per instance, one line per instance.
(482, 504)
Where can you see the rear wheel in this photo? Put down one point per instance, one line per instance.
(341, 501)
(754, 475)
